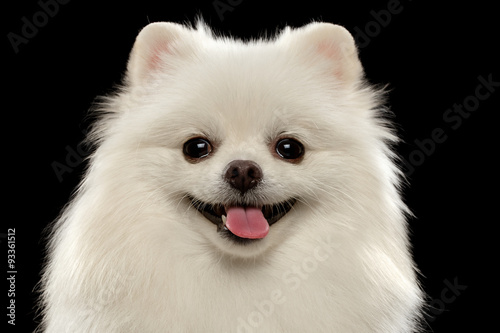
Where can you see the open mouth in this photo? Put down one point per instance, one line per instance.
(243, 223)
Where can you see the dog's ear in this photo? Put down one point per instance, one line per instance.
(332, 43)
(155, 49)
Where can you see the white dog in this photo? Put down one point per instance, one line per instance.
(236, 187)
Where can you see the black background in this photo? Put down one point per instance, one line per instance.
(431, 55)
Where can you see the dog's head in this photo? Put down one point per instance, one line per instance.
(247, 142)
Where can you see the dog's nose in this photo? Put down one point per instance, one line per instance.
(243, 174)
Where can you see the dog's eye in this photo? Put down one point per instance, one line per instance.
(289, 149)
(197, 148)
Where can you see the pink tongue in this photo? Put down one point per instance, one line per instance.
(246, 222)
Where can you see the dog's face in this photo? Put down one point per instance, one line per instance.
(235, 176)
(241, 185)
(246, 142)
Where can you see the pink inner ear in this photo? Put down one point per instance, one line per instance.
(334, 53)
(328, 49)
(157, 54)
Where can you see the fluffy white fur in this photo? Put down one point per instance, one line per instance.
(131, 254)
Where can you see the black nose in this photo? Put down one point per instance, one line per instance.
(243, 175)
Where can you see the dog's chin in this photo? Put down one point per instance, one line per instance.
(224, 237)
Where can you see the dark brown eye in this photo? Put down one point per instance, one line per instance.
(289, 149)
(197, 148)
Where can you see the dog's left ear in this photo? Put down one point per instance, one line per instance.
(326, 41)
